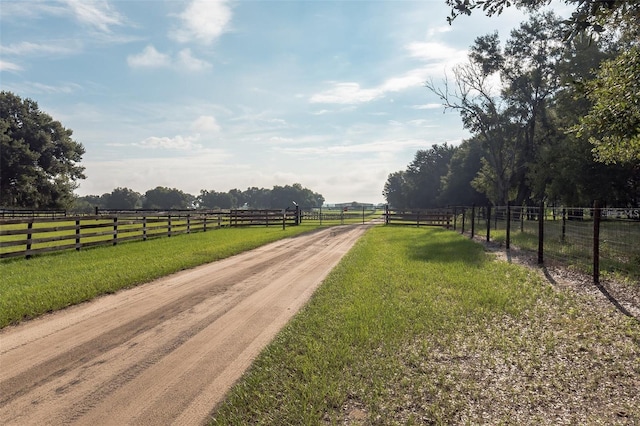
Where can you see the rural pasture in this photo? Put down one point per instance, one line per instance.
(416, 325)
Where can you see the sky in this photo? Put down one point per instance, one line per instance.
(216, 95)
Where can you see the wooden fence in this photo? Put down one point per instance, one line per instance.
(429, 217)
(27, 236)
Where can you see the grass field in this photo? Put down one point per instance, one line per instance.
(421, 326)
(414, 326)
(44, 283)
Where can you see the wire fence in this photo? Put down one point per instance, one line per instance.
(594, 240)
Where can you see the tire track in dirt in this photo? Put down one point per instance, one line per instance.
(166, 351)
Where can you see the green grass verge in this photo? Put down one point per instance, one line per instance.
(45, 283)
(421, 326)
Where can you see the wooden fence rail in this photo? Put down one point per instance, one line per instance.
(28, 236)
(429, 217)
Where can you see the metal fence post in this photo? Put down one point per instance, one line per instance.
(541, 233)
(488, 222)
(473, 220)
(596, 242)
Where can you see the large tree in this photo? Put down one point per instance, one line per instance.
(419, 187)
(215, 200)
(167, 198)
(613, 123)
(463, 168)
(510, 120)
(123, 199)
(39, 161)
(395, 190)
(593, 16)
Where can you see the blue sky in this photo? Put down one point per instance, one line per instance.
(216, 95)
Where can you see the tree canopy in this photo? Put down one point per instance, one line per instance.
(39, 161)
(552, 118)
(613, 123)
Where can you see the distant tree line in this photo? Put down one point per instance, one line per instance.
(554, 113)
(160, 198)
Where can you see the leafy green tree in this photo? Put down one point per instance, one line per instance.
(589, 15)
(123, 199)
(215, 200)
(511, 122)
(395, 190)
(167, 198)
(286, 196)
(39, 161)
(613, 122)
(424, 176)
(463, 168)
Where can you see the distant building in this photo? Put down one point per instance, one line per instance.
(354, 205)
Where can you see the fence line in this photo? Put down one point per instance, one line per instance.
(593, 239)
(422, 217)
(26, 236)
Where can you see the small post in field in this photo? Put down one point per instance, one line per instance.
(508, 242)
(541, 233)
(596, 242)
(77, 234)
(115, 230)
(488, 222)
(473, 220)
(29, 236)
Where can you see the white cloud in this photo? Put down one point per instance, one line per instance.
(376, 147)
(203, 21)
(28, 48)
(346, 93)
(352, 93)
(149, 58)
(187, 62)
(9, 66)
(427, 106)
(152, 58)
(96, 14)
(176, 143)
(432, 51)
(206, 124)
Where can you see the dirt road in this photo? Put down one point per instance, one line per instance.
(165, 352)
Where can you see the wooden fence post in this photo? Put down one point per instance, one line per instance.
(596, 242)
(464, 212)
(144, 228)
(169, 225)
(115, 230)
(455, 218)
(29, 236)
(77, 234)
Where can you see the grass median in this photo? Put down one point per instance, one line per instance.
(421, 326)
(45, 283)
